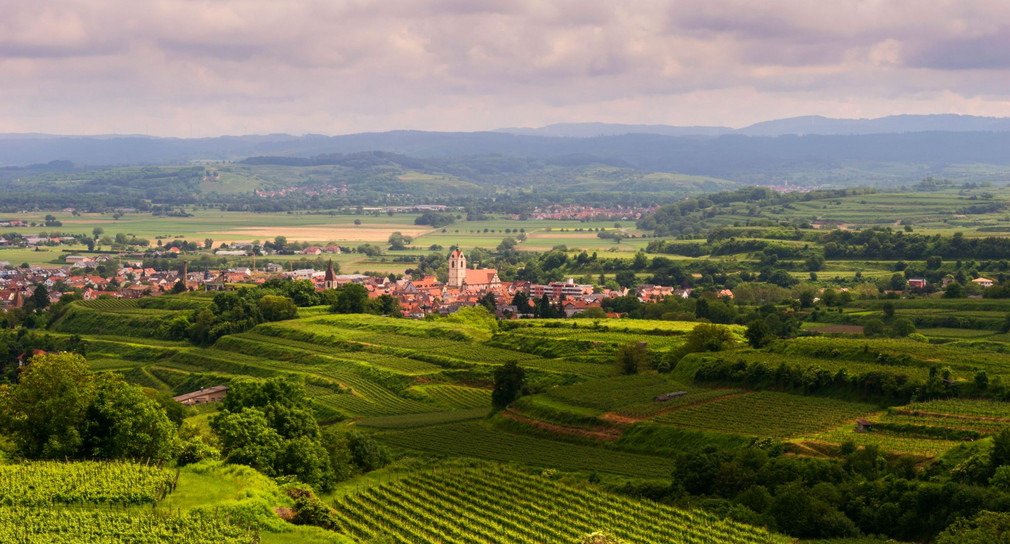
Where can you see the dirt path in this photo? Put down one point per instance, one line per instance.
(601, 433)
(614, 417)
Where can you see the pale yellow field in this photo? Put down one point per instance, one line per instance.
(318, 234)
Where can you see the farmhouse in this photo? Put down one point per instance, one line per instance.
(982, 282)
(211, 394)
(917, 283)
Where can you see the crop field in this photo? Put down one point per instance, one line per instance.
(766, 414)
(463, 505)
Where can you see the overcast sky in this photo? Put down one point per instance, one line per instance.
(212, 67)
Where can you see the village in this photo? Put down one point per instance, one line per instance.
(417, 296)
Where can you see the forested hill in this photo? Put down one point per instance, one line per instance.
(807, 160)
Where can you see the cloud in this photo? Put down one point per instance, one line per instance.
(206, 67)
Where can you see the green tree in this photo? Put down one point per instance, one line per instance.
(873, 327)
(985, 528)
(351, 299)
(954, 290)
(508, 384)
(397, 241)
(630, 357)
(898, 282)
(247, 439)
(759, 334)
(888, 309)
(277, 308)
(903, 327)
(385, 305)
(121, 422)
(45, 412)
(179, 287)
(40, 297)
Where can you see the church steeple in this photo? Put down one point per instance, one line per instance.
(457, 268)
(330, 279)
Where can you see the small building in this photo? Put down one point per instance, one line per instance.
(863, 426)
(982, 282)
(917, 283)
(203, 396)
(668, 396)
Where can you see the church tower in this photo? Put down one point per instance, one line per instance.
(330, 279)
(457, 268)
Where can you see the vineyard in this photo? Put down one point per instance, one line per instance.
(83, 483)
(471, 439)
(28, 525)
(767, 414)
(465, 505)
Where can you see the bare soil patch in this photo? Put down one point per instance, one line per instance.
(845, 329)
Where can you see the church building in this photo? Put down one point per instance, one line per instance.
(460, 277)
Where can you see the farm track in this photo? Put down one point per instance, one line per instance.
(603, 434)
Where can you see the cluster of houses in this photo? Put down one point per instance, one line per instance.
(590, 212)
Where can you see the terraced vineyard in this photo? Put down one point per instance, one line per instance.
(465, 505)
(767, 414)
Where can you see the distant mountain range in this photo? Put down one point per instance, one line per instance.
(811, 124)
(802, 150)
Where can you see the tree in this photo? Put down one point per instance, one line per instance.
(898, 282)
(903, 327)
(954, 290)
(888, 309)
(351, 299)
(489, 301)
(708, 337)
(45, 412)
(179, 287)
(40, 297)
(759, 334)
(397, 241)
(631, 356)
(508, 384)
(97, 231)
(276, 308)
(873, 327)
(385, 305)
(985, 528)
(121, 422)
(59, 409)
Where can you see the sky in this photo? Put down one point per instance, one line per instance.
(193, 68)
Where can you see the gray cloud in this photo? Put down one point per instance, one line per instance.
(234, 66)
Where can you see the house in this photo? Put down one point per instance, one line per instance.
(27, 356)
(863, 426)
(312, 250)
(211, 394)
(668, 396)
(982, 282)
(917, 283)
